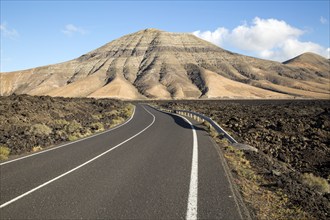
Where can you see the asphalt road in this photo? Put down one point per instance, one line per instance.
(153, 167)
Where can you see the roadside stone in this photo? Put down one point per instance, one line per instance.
(293, 135)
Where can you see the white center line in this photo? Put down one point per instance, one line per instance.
(76, 168)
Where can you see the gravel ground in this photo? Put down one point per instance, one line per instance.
(30, 122)
(292, 136)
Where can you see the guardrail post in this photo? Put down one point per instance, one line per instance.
(216, 126)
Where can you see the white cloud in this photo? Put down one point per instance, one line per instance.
(215, 37)
(263, 34)
(265, 38)
(323, 20)
(8, 32)
(71, 29)
(292, 47)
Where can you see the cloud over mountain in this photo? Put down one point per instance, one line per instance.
(265, 38)
(163, 65)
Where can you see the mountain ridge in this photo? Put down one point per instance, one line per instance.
(156, 64)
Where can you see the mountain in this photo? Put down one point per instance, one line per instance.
(311, 61)
(162, 65)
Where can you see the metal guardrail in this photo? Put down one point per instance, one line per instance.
(216, 126)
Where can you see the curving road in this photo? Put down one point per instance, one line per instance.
(154, 166)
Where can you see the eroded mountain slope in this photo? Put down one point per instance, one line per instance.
(157, 64)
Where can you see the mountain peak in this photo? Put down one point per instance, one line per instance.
(152, 30)
(307, 56)
(312, 61)
(152, 63)
(147, 40)
(148, 31)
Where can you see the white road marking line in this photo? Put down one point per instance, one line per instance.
(63, 145)
(192, 205)
(76, 168)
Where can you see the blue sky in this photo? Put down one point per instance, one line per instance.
(36, 33)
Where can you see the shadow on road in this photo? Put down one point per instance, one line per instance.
(181, 122)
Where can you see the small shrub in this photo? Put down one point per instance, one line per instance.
(111, 113)
(224, 142)
(85, 132)
(72, 138)
(61, 134)
(73, 127)
(268, 204)
(75, 136)
(213, 133)
(117, 121)
(60, 123)
(128, 111)
(98, 126)
(36, 148)
(40, 130)
(4, 152)
(97, 117)
(206, 124)
(316, 182)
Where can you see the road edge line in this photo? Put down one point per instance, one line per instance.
(77, 167)
(192, 204)
(63, 145)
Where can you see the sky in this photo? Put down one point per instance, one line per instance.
(37, 33)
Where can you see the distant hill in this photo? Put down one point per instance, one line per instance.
(311, 61)
(162, 65)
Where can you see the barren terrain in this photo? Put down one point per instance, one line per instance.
(157, 64)
(30, 123)
(293, 139)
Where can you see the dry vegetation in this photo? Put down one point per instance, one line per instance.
(288, 178)
(178, 66)
(264, 202)
(31, 123)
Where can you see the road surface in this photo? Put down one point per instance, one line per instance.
(156, 166)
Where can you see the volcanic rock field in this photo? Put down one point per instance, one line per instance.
(292, 138)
